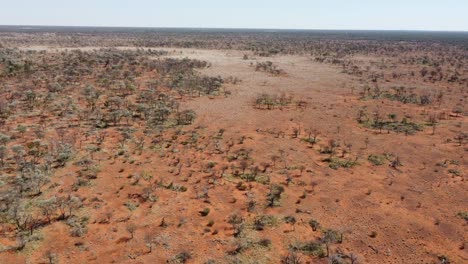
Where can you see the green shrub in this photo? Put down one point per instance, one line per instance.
(336, 163)
(205, 212)
(274, 195)
(312, 248)
(332, 236)
(314, 224)
(260, 222)
(463, 215)
(378, 159)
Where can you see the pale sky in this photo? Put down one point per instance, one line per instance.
(445, 15)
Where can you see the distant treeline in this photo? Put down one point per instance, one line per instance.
(392, 35)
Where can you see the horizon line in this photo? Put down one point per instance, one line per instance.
(240, 28)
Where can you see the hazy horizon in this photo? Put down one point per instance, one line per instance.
(235, 29)
(398, 15)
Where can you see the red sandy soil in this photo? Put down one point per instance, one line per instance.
(412, 209)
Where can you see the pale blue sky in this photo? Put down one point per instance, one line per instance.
(291, 14)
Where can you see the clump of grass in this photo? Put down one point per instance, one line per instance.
(246, 244)
(312, 248)
(210, 165)
(291, 258)
(252, 177)
(332, 236)
(463, 215)
(336, 163)
(454, 172)
(260, 222)
(205, 212)
(311, 140)
(182, 257)
(78, 226)
(131, 206)
(178, 188)
(379, 159)
(274, 196)
(314, 224)
(404, 126)
(173, 187)
(392, 124)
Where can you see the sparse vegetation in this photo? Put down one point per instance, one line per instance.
(124, 136)
(378, 122)
(269, 67)
(272, 101)
(379, 159)
(463, 215)
(336, 163)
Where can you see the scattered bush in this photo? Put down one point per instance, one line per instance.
(312, 248)
(379, 159)
(274, 196)
(269, 67)
(336, 163)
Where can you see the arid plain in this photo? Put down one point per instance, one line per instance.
(128, 151)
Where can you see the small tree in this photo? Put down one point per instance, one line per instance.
(312, 135)
(274, 159)
(238, 224)
(67, 204)
(21, 129)
(149, 240)
(378, 121)
(461, 137)
(331, 148)
(314, 224)
(185, 117)
(4, 139)
(92, 96)
(3, 155)
(291, 258)
(433, 123)
(51, 257)
(301, 169)
(274, 195)
(91, 149)
(396, 163)
(131, 228)
(35, 180)
(48, 207)
(139, 144)
(296, 132)
(244, 164)
(19, 153)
